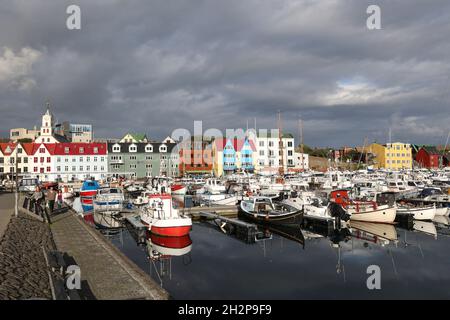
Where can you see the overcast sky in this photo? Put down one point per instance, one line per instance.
(154, 66)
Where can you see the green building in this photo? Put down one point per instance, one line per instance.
(142, 160)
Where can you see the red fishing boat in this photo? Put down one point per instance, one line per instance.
(163, 219)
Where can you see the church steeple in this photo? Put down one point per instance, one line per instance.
(47, 121)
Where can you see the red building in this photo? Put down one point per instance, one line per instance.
(429, 157)
(196, 157)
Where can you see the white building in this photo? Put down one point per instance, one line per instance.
(271, 156)
(301, 161)
(80, 161)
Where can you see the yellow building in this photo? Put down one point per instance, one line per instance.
(394, 156)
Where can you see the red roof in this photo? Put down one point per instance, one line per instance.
(28, 148)
(79, 149)
(4, 147)
(237, 144)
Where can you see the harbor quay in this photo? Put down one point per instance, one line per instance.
(27, 242)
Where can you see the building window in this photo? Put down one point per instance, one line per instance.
(162, 149)
(49, 159)
(42, 150)
(58, 168)
(81, 168)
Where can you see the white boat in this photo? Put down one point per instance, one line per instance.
(369, 211)
(214, 186)
(109, 199)
(379, 214)
(226, 200)
(419, 213)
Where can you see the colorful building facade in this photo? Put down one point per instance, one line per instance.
(393, 156)
(231, 155)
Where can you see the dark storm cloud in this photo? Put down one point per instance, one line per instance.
(154, 66)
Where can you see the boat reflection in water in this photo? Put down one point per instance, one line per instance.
(425, 227)
(378, 233)
(162, 249)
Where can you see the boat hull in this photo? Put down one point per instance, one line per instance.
(420, 213)
(378, 216)
(291, 218)
(170, 227)
(178, 189)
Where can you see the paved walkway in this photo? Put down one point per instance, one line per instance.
(107, 271)
(6, 210)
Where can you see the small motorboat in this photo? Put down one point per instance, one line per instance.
(263, 210)
(368, 211)
(418, 212)
(109, 199)
(163, 219)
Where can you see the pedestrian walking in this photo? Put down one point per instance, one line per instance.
(60, 199)
(51, 197)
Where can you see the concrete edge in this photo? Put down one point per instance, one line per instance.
(131, 268)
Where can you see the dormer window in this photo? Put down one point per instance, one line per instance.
(81, 150)
(66, 150)
(149, 148)
(95, 150)
(162, 148)
(133, 148)
(116, 148)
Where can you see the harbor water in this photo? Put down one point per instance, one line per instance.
(299, 264)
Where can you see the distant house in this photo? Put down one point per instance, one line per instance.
(134, 138)
(429, 157)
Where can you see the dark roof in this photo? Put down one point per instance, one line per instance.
(431, 150)
(125, 146)
(61, 139)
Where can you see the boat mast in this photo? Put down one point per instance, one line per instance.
(281, 166)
